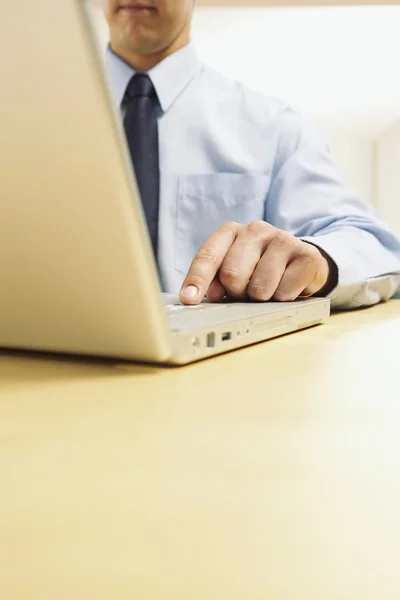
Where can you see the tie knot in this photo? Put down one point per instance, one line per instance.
(140, 86)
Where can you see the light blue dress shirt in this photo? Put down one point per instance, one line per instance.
(231, 154)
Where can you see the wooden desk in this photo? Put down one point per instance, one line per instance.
(271, 473)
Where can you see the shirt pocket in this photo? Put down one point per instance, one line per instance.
(205, 202)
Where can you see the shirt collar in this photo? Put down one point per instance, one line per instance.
(170, 77)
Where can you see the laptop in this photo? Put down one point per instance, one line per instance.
(76, 266)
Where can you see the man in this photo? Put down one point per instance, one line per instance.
(238, 175)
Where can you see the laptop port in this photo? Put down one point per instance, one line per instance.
(196, 343)
(211, 340)
(227, 336)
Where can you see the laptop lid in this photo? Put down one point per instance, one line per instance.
(76, 267)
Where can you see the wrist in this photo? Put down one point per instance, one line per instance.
(332, 278)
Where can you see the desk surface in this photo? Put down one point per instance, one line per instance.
(269, 473)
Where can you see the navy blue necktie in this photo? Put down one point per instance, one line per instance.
(141, 130)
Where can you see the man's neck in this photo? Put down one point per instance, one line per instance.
(144, 63)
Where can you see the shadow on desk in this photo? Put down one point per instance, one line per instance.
(20, 368)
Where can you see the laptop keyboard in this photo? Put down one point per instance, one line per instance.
(205, 314)
(193, 317)
(175, 308)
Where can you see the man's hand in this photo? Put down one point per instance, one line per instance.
(256, 262)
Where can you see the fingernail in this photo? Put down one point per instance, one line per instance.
(191, 292)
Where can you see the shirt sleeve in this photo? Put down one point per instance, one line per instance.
(309, 198)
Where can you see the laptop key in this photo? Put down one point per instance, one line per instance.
(174, 307)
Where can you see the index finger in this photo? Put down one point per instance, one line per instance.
(207, 263)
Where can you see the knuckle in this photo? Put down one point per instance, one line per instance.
(229, 276)
(310, 260)
(207, 253)
(282, 239)
(256, 226)
(258, 292)
(305, 258)
(229, 226)
(309, 250)
(282, 296)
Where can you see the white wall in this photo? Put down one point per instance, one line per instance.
(356, 159)
(388, 176)
(335, 65)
